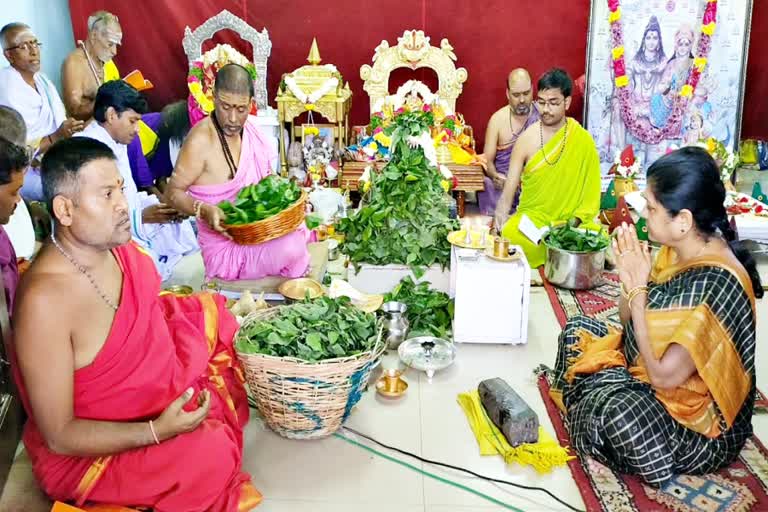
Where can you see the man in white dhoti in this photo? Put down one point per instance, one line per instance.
(25, 88)
(157, 227)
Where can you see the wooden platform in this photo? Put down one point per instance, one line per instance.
(469, 177)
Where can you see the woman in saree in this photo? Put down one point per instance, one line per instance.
(673, 392)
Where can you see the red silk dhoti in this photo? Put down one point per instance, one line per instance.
(158, 346)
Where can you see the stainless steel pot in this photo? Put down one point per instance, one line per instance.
(395, 323)
(574, 270)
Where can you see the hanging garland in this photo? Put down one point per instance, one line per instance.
(310, 99)
(641, 127)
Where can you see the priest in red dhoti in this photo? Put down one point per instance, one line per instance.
(134, 398)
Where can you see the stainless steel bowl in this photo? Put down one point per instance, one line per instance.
(427, 353)
(574, 270)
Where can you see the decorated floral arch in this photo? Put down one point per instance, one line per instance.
(202, 75)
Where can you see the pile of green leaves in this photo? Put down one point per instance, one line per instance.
(405, 221)
(312, 330)
(570, 238)
(256, 202)
(429, 312)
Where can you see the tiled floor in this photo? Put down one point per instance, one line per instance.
(331, 475)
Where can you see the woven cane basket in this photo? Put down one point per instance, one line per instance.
(270, 228)
(303, 400)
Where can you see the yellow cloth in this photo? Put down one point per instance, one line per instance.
(110, 71)
(148, 138)
(556, 193)
(459, 155)
(748, 152)
(543, 455)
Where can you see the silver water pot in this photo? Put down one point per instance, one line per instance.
(395, 323)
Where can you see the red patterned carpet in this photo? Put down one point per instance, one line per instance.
(738, 488)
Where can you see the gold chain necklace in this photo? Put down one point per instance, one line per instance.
(85, 272)
(562, 146)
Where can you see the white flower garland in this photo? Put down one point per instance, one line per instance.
(413, 87)
(416, 87)
(232, 56)
(728, 166)
(366, 176)
(326, 87)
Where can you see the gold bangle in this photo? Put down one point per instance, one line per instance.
(635, 292)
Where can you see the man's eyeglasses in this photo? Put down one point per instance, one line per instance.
(27, 46)
(551, 103)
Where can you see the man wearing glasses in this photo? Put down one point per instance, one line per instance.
(26, 89)
(556, 163)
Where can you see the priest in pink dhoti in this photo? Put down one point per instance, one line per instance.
(222, 154)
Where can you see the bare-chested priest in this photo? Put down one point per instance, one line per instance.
(90, 65)
(85, 68)
(222, 154)
(504, 127)
(123, 408)
(556, 164)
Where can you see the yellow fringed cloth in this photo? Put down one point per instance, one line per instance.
(543, 456)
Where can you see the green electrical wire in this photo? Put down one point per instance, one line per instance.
(426, 473)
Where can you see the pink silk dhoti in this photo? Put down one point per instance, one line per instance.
(286, 256)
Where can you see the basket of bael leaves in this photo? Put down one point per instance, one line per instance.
(307, 363)
(575, 256)
(269, 209)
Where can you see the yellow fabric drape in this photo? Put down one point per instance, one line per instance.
(110, 71)
(544, 455)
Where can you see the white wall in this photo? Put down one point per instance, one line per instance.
(51, 21)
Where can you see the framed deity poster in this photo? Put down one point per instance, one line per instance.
(662, 74)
